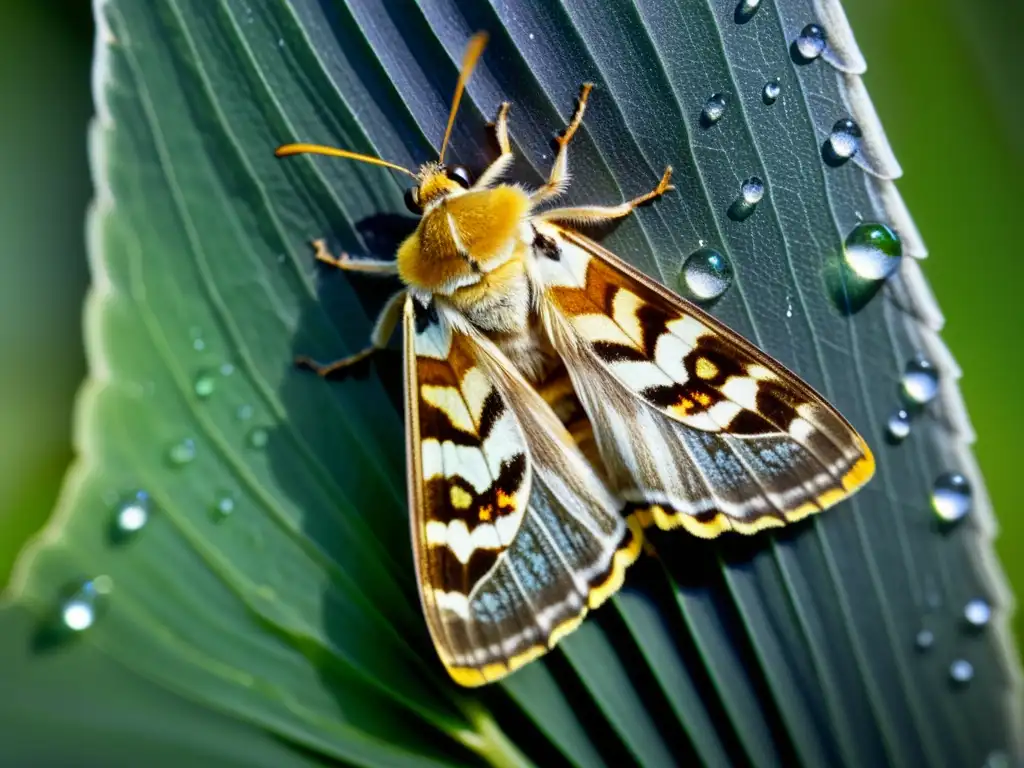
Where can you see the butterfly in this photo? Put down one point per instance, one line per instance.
(559, 402)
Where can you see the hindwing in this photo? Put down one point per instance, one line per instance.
(515, 536)
(695, 425)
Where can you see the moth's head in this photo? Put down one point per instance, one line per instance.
(434, 180)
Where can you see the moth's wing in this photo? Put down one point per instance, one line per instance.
(514, 534)
(695, 425)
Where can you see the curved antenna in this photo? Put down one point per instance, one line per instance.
(317, 149)
(469, 59)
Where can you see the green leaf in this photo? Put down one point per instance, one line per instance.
(272, 582)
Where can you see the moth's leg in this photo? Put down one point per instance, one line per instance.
(559, 177)
(596, 214)
(353, 264)
(501, 164)
(385, 326)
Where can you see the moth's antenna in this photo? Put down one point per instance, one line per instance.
(469, 59)
(317, 149)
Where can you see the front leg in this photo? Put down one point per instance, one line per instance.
(559, 177)
(499, 166)
(597, 214)
(349, 263)
(385, 326)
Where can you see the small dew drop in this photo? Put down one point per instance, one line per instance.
(706, 274)
(183, 452)
(745, 10)
(961, 671)
(258, 438)
(752, 190)
(811, 42)
(713, 110)
(898, 428)
(771, 92)
(223, 507)
(79, 610)
(977, 613)
(924, 639)
(872, 251)
(951, 497)
(844, 139)
(244, 412)
(198, 345)
(226, 369)
(532, 36)
(132, 514)
(204, 385)
(920, 381)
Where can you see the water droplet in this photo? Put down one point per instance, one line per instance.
(204, 385)
(997, 759)
(745, 10)
(920, 381)
(258, 438)
(198, 345)
(752, 190)
(810, 44)
(226, 369)
(977, 613)
(223, 507)
(872, 251)
(898, 427)
(244, 412)
(706, 274)
(713, 110)
(771, 92)
(924, 640)
(132, 515)
(961, 671)
(951, 497)
(844, 140)
(78, 612)
(183, 452)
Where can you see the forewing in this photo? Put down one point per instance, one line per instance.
(695, 425)
(515, 536)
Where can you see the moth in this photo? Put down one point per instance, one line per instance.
(559, 402)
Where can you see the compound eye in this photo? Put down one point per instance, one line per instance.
(412, 200)
(459, 175)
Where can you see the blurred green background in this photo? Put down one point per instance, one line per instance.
(944, 76)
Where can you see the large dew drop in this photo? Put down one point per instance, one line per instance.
(951, 497)
(706, 275)
(872, 251)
